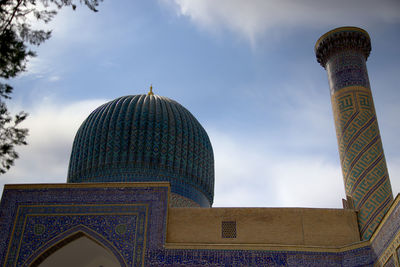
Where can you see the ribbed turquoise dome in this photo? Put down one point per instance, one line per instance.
(142, 138)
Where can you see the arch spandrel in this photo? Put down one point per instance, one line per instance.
(79, 246)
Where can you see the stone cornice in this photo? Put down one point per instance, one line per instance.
(344, 38)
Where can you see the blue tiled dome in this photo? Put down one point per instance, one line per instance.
(144, 138)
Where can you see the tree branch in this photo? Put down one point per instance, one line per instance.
(19, 2)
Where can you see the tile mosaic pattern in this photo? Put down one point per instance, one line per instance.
(91, 210)
(65, 238)
(343, 53)
(347, 68)
(191, 257)
(387, 240)
(145, 138)
(363, 162)
(176, 200)
(128, 221)
(123, 226)
(129, 174)
(390, 263)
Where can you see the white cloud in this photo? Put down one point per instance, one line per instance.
(54, 78)
(249, 174)
(66, 23)
(52, 127)
(38, 67)
(253, 18)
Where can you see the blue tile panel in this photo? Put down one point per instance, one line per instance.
(142, 138)
(115, 218)
(387, 233)
(39, 225)
(358, 257)
(347, 68)
(343, 53)
(128, 221)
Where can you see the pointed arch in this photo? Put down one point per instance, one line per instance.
(66, 238)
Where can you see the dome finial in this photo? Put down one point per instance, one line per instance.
(151, 90)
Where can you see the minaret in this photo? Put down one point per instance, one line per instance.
(343, 52)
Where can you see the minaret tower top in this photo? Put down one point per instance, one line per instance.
(339, 39)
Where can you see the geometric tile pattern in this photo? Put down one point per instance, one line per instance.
(193, 257)
(125, 220)
(390, 262)
(347, 68)
(386, 242)
(142, 138)
(343, 53)
(361, 155)
(182, 202)
(38, 226)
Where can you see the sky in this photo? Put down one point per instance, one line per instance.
(246, 69)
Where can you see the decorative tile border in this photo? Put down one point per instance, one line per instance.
(192, 257)
(387, 235)
(36, 226)
(126, 218)
(390, 251)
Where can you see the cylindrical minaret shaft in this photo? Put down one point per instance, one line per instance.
(343, 52)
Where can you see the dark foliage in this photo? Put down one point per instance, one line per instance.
(16, 33)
